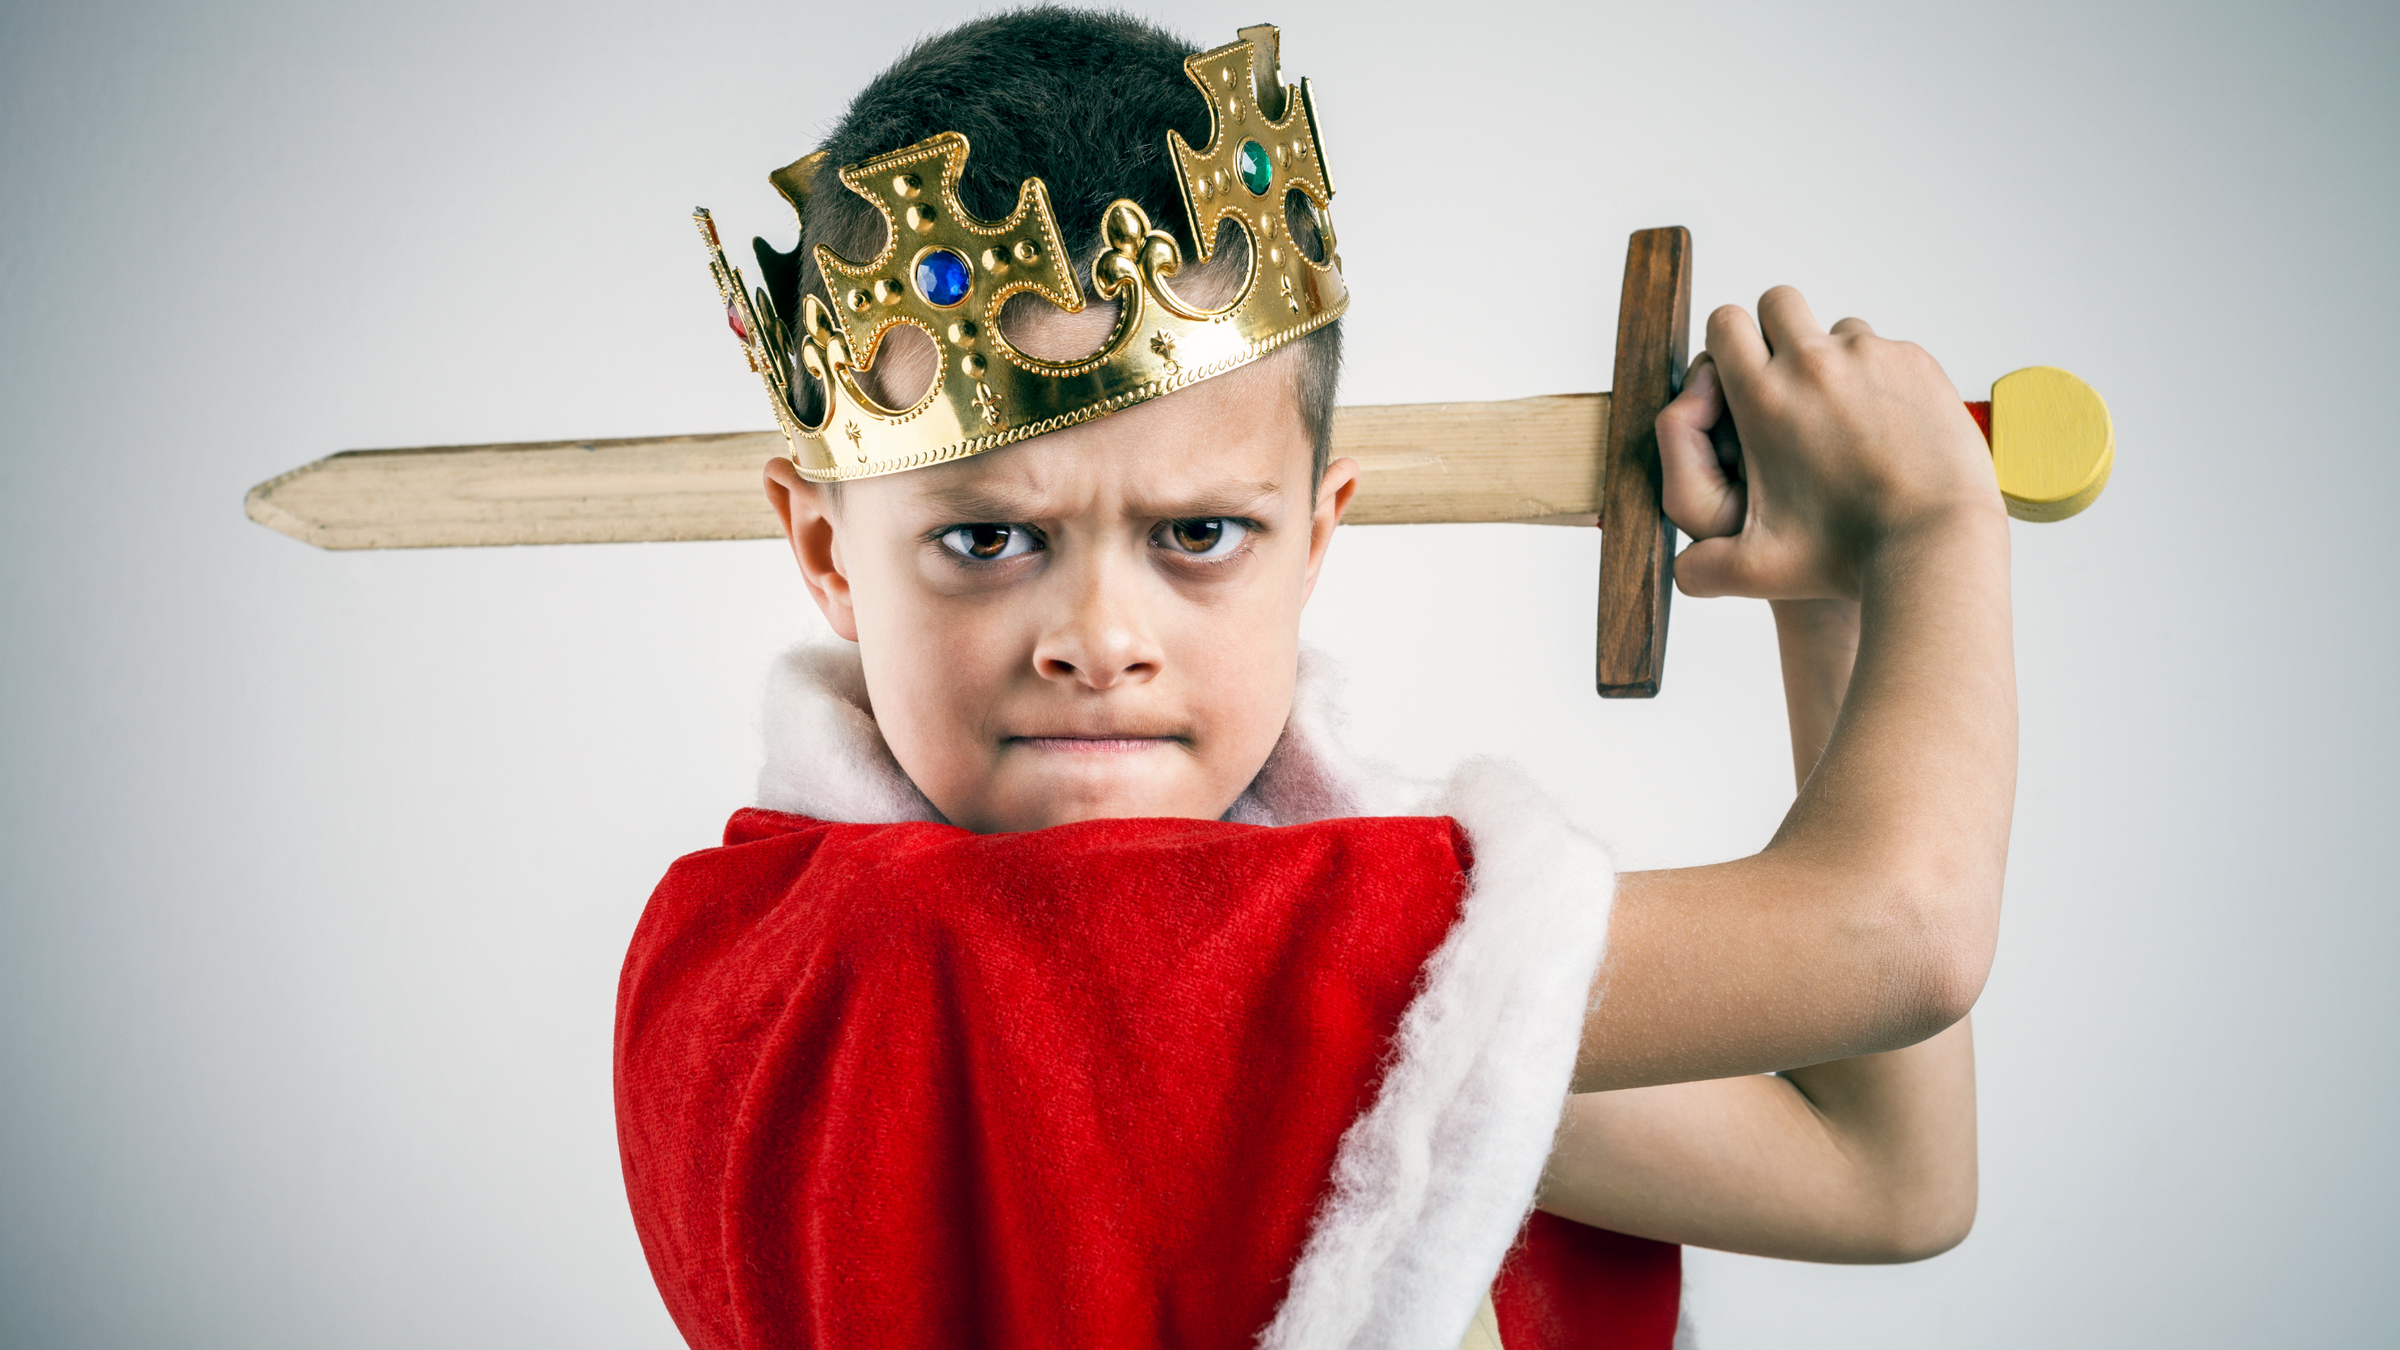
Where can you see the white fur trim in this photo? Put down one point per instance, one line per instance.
(1433, 1182)
(1431, 1185)
(825, 757)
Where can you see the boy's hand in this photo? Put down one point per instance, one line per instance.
(1847, 440)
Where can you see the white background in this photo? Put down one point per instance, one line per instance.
(317, 868)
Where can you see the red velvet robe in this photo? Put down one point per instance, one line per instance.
(1129, 1083)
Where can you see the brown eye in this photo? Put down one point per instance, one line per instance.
(1204, 536)
(1198, 536)
(989, 543)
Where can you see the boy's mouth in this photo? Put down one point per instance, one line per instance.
(1092, 745)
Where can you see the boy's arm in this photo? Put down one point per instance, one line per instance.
(1867, 923)
(1863, 1159)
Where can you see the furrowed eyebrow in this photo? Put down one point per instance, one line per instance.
(980, 504)
(997, 505)
(1220, 499)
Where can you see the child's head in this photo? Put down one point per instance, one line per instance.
(1102, 620)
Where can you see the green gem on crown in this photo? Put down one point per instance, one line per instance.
(1258, 172)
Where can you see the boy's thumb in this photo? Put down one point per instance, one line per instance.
(1710, 567)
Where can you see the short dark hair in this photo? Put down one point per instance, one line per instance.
(1081, 99)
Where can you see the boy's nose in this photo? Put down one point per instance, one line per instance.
(1099, 658)
(1099, 646)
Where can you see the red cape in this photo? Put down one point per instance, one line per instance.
(1128, 1083)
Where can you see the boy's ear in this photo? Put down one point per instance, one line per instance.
(806, 510)
(1334, 491)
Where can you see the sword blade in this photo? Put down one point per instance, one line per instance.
(1531, 459)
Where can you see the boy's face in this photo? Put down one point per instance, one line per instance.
(1103, 621)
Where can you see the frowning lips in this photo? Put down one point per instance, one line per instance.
(1106, 742)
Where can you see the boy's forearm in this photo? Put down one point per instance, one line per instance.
(1867, 924)
(1817, 641)
(1914, 790)
(1864, 1159)
(1904, 1119)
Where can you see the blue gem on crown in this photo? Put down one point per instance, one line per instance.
(942, 278)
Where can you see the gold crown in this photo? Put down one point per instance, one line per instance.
(947, 273)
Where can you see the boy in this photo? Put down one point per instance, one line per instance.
(1074, 990)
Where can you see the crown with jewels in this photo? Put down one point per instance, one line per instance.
(948, 273)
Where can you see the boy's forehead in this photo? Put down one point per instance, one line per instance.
(1047, 475)
(1219, 447)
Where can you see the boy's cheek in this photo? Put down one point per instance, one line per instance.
(934, 669)
(1239, 676)
(938, 747)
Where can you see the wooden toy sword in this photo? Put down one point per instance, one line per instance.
(1561, 459)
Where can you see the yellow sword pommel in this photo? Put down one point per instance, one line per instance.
(2052, 442)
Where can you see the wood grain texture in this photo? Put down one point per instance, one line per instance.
(1637, 544)
(547, 492)
(1527, 459)
(1533, 459)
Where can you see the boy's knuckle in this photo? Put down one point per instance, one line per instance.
(1818, 361)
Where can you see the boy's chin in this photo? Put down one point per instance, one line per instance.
(1061, 789)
